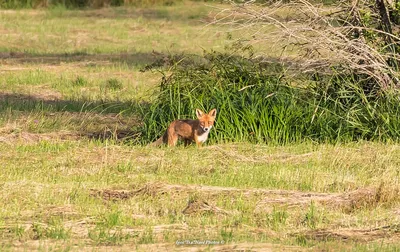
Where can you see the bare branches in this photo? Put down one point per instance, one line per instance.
(319, 36)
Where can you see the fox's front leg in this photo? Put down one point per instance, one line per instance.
(187, 142)
(198, 144)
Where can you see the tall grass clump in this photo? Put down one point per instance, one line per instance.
(257, 103)
(251, 104)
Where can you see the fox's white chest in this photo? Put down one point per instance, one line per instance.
(203, 137)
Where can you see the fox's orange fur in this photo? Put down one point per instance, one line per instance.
(189, 130)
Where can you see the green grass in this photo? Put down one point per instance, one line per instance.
(73, 176)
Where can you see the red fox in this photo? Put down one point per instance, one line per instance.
(189, 130)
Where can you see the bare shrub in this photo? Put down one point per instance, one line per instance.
(352, 36)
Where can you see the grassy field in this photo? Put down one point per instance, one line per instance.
(69, 81)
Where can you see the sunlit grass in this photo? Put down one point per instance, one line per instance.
(55, 185)
(71, 94)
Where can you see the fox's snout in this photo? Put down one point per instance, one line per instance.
(206, 128)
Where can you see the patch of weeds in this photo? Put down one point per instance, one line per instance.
(167, 236)
(226, 235)
(18, 231)
(277, 218)
(173, 217)
(38, 231)
(44, 146)
(125, 167)
(74, 195)
(194, 16)
(79, 82)
(147, 236)
(56, 230)
(113, 84)
(236, 220)
(41, 124)
(312, 217)
(302, 241)
(112, 219)
(106, 236)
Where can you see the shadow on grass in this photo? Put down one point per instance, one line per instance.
(143, 60)
(139, 59)
(124, 136)
(198, 14)
(100, 120)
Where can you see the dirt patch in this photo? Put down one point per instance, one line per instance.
(118, 135)
(66, 210)
(360, 198)
(195, 206)
(46, 94)
(111, 195)
(80, 228)
(85, 125)
(32, 245)
(150, 189)
(261, 159)
(38, 93)
(199, 206)
(12, 136)
(103, 127)
(391, 232)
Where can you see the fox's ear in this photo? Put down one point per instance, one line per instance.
(199, 113)
(213, 112)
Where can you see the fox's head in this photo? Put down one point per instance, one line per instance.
(206, 120)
